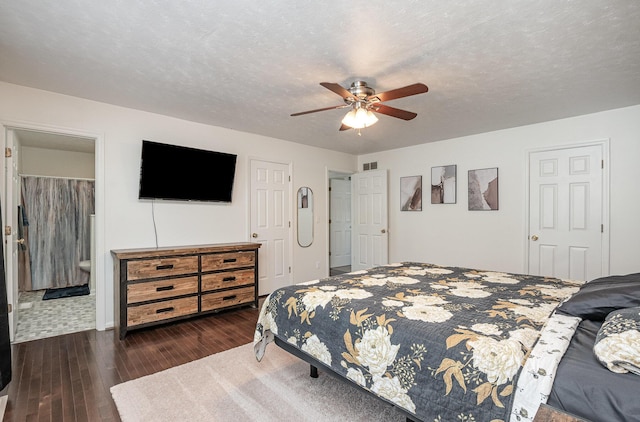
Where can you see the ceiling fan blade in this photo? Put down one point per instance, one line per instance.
(319, 109)
(338, 89)
(400, 92)
(393, 112)
(344, 127)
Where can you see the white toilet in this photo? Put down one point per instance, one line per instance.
(86, 265)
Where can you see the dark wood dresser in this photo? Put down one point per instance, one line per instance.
(158, 285)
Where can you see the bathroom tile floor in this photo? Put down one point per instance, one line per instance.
(39, 318)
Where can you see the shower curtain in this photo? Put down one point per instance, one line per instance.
(58, 213)
(24, 259)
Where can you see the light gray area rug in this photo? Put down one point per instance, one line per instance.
(3, 406)
(233, 386)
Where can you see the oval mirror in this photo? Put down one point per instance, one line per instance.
(305, 217)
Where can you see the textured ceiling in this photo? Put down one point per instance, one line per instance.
(247, 65)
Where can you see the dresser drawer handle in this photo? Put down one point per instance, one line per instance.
(228, 279)
(163, 310)
(228, 260)
(164, 288)
(229, 297)
(164, 267)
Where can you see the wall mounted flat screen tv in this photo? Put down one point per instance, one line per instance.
(179, 173)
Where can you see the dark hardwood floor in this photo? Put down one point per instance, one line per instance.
(67, 378)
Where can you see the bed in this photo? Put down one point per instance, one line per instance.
(439, 343)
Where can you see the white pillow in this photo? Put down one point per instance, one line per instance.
(617, 344)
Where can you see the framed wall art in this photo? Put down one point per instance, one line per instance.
(483, 189)
(411, 193)
(443, 184)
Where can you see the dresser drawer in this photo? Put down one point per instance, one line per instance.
(227, 279)
(227, 298)
(223, 261)
(161, 267)
(161, 289)
(159, 311)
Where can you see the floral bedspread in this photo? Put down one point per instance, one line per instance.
(443, 343)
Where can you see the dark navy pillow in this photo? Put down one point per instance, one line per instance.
(598, 298)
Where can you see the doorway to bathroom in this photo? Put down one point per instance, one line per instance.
(54, 193)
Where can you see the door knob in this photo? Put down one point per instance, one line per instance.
(254, 235)
(534, 237)
(383, 231)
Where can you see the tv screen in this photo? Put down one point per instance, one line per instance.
(180, 173)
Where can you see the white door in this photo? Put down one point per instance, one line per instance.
(566, 213)
(10, 209)
(271, 223)
(340, 223)
(369, 217)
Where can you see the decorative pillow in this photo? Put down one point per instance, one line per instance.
(617, 344)
(598, 298)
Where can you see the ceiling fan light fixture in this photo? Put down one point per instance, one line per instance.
(359, 118)
(363, 99)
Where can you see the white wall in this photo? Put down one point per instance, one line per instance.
(56, 163)
(445, 234)
(496, 240)
(128, 222)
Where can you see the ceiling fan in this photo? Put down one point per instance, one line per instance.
(364, 102)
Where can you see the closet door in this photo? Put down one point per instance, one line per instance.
(566, 203)
(370, 220)
(271, 223)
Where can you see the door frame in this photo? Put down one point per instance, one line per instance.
(328, 172)
(604, 145)
(327, 239)
(98, 139)
(292, 215)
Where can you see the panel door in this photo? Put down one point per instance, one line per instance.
(566, 213)
(270, 223)
(369, 216)
(340, 224)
